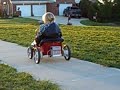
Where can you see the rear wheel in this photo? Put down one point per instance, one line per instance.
(66, 52)
(63, 14)
(67, 15)
(37, 56)
(30, 52)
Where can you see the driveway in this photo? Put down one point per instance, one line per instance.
(70, 75)
(64, 20)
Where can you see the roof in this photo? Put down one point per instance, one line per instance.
(32, 1)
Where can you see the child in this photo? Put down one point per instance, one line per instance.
(49, 31)
(69, 18)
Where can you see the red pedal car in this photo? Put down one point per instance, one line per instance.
(49, 48)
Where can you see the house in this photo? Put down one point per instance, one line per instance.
(39, 7)
(5, 7)
(58, 6)
(35, 7)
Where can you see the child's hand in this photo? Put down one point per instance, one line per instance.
(36, 30)
(36, 36)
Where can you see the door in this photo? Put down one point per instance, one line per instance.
(25, 10)
(39, 10)
(62, 7)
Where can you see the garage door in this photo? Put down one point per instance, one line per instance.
(62, 7)
(25, 10)
(39, 10)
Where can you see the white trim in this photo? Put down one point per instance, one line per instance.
(12, 9)
(30, 2)
(8, 11)
(53, 0)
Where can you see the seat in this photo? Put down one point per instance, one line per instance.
(51, 40)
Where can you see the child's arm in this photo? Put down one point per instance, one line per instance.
(36, 31)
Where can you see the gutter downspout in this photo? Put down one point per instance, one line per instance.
(11, 7)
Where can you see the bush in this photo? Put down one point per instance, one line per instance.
(88, 8)
(92, 12)
(84, 6)
(116, 10)
(106, 12)
(17, 14)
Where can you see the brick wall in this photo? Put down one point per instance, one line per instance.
(0, 10)
(54, 7)
(7, 5)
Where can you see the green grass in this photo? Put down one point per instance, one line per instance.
(18, 21)
(95, 44)
(10, 79)
(21, 31)
(18, 30)
(93, 23)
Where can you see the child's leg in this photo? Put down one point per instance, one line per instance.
(33, 43)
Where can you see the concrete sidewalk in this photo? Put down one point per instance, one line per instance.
(64, 20)
(70, 75)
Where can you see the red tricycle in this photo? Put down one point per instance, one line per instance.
(49, 48)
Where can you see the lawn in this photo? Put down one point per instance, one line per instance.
(21, 31)
(18, 30)
(95, 44)
(93, 23)
(10, 79)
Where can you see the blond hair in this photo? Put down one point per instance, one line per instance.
(48, 17)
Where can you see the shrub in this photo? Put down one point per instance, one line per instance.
(92, 11)
(107, 11)
(84, 6)
(17, 14)
(88, 8)
(116, 10)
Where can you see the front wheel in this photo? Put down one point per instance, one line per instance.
(66, 52)
(37, 56)
(30, 52)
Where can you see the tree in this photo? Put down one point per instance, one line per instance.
(105, 10)
(116, 10)
(92, 11)
(88, 8)
(84, 6)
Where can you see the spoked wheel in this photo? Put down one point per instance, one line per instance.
(30, 52)
(37, 56)
(64, 15)
(66, 52)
